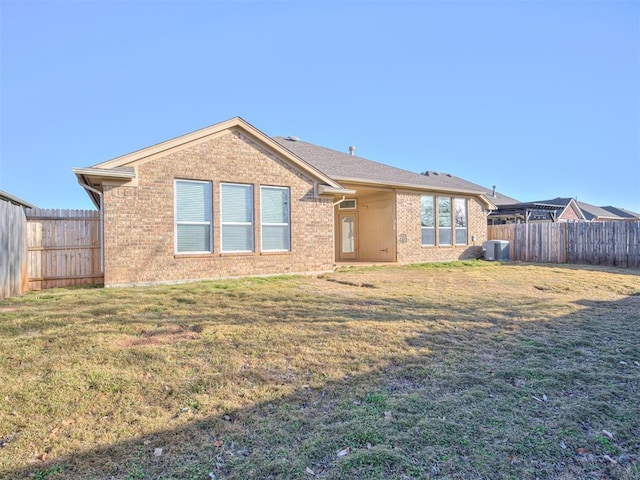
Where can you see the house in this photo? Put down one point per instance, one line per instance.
(554, 210)
(230, 201)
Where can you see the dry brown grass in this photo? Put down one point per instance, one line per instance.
(470, 371)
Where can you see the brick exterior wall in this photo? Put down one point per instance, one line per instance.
(409, 234)
(570, 215)
(139, 220)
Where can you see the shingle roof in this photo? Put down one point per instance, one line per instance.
(621, 212)
(558, 201)
(591, 211)
(344, 167)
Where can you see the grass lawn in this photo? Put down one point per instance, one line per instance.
(470, 370)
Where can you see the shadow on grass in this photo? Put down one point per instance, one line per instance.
(494, 393)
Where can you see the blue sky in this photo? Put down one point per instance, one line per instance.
(539, 98)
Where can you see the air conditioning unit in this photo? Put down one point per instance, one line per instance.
(496, 250)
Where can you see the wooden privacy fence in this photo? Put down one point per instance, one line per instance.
(597, 243)
(13, 250)
(63, 248)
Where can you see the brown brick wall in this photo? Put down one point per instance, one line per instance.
(139, 220)
(570, 215)
(409, 234)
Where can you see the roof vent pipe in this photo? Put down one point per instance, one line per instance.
(352, 150)
(494, 192)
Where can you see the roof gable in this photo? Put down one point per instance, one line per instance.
(161, 149)
(123, 169)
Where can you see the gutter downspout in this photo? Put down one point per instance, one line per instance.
(99, 193)
(336, 203)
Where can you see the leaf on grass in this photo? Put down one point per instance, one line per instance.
(158, 452)
(607, 434)
(583, 451)
(309, 471)
(218, 443)
(42, 457)
(344, 452)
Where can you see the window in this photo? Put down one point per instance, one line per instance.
(236, 212)
(444, 221)
(192, 216)
(428, 222)
(461, 221)
(347, 204)
(276, 226)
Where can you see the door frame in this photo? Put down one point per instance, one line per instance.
(342, 256)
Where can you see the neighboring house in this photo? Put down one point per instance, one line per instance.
(229, 201)
(598, 214)
(622, 213)
(554, 210)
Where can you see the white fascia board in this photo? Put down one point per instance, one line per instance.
(329, 190)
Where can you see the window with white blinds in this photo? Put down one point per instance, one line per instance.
(193, 216)
(236, 210)
(275, 219)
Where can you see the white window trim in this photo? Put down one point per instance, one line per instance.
(176, 222)
(223, 223)
(262, 224)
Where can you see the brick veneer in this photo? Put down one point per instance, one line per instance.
(139, 220)
(409, 234)
(570, 215)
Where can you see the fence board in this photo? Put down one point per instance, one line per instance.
(13, 254)
(598, 243)
(63, 248)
